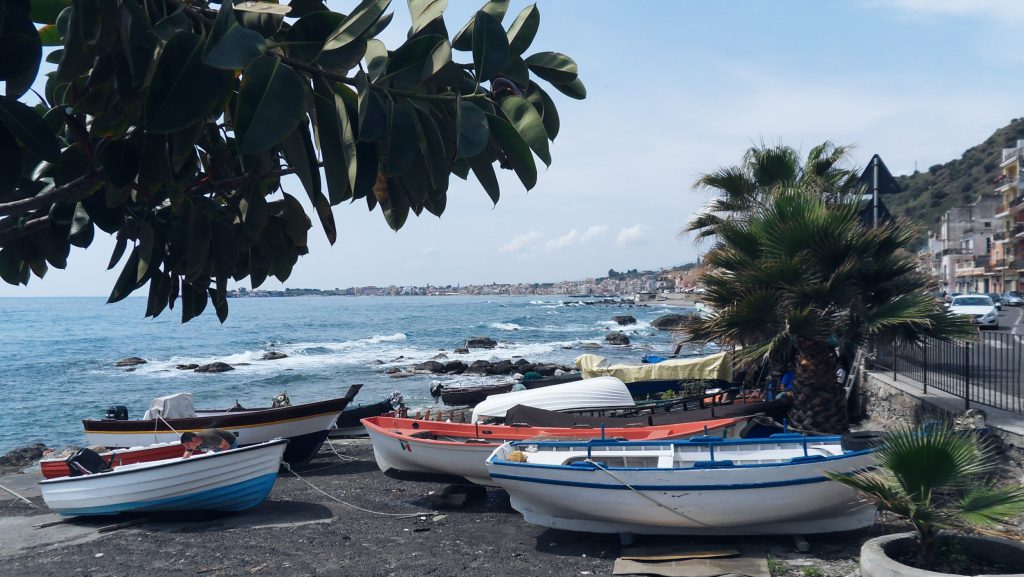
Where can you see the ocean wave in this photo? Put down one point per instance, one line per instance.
(505, 326)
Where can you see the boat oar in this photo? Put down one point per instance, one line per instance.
(30, 503)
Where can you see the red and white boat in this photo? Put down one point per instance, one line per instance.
(461, 449)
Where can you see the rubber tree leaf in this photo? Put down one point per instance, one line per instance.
(376, 59)
(49, 37)
(523, 29)
(356, 23)
(298, 151)
(484, 172)
(231, 46)
(10, 168)
(302, 8)
(473, 130)
(464, 39)
(555, 67)
(127, 282)
(29, 128)
(20, 50)
(271, 102)
(47, 11)
(307, 36)
(79, 49)
(546, 107)
(120, 160)
(515, 148)
(574, 89)
(490, 46)
(183, 90)
(424, 12)
(402, 139)
(262, 7)
(528, 124)
(337, 143)
(419, 59)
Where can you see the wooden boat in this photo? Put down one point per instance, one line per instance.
(597, 393)
(305, 426)
(468, 396)
(349, 424)
(460, 449)
(521, 415)
(231, 480)
(773, 485)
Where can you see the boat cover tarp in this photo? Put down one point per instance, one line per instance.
(176, 406)
(596, 393)
(717, 366)
(534, 417)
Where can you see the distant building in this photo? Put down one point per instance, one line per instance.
(1007, 259)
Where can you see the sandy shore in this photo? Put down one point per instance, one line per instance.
(299, 531)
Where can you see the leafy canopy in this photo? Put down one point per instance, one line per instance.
(170, 123)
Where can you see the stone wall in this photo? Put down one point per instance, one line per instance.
(885, 406)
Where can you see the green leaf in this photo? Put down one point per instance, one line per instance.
(464, 39)
(82, 230)
(11, 264)
(120, 160)
(402, 139)
(372, 111)
(554, 67)
(200, 232)
(49, 37)
(230, 46)
(515, 148)
(523, 29)
(376, 59)
(183, 90)
(473, 130)
(574, 89)
(46, 11)
(265, 24)
(10, 168)
(303, 8)
(193, 302)
(337, 144)
(119, 248)
(424, 12)
(79, 50)
(490, 46)
(393, 202)
(219, 297)
(546, 107)
(307, 36)
(419, 59)
(271, 102)
(484, 172)
(528, 124)
(28, 127)
(516, 71)
(159, 290)
(262, 7)
(355, 24)
(127, 282)
(21, 51)
(298, 151)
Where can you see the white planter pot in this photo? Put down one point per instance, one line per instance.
(875, 560)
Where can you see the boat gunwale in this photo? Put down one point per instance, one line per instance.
(158, 465)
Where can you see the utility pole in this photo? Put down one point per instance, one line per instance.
(874, 187)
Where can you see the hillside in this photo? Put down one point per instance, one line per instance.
(927, 195)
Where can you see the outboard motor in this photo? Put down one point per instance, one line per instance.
(86, 462)
(117, 413)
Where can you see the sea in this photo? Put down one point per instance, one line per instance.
(59, 353)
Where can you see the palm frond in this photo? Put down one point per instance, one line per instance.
(991, 505)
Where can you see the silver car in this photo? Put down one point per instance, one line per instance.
(1013, 299)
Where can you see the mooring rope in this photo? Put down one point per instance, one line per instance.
(644, 495)
(347, 504)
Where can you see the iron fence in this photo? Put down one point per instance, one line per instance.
(986, 371)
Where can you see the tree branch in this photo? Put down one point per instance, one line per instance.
(28, 228)
(54, 195)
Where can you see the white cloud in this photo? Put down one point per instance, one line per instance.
(996, 9)
(428, 250)
(522, 241)
(632, 235)
(592, 233)
(562, 241)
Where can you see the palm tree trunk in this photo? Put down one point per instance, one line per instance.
(818, 403)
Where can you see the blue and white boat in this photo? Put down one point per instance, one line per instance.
(700, 486)
(230, 480)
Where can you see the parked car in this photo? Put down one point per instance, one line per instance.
(997, 300)
(980, 308)
(1013, 299)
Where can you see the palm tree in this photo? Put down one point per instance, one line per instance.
(798, 278)
(765, 170)
(935, 478)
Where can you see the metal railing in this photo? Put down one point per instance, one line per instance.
(1010, 153)
(987, 371)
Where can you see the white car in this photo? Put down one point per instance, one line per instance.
(980, 308)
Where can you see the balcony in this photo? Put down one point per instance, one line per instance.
(1001, 235)
(1010, 154)
(1008, 184)
(1017, 230)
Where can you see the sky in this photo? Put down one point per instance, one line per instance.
(675, 89)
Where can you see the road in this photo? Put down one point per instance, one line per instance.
(1010, 320)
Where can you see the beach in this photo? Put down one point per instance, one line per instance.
(301, 531)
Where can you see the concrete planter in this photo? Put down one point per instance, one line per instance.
(875, 559)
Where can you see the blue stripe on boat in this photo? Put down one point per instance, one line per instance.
(234, 497)
(622, 487)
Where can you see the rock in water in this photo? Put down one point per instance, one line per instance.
(617, 338)
(481, 343)
(624, 319)
(273, 356)
(217, 367)
(672, 322)
(130, 362)
(23, 456)
(188, 367)
(429, 367)
(455, 367)
(461, 351)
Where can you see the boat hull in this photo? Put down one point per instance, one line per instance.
(228, 481)
(796, 499)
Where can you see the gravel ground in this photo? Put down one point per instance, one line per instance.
(299, 531)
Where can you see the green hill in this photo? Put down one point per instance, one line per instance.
(927, 195)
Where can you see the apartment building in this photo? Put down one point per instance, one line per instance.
(1007, 258)
(962, 249)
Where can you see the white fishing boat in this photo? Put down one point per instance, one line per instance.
(230, 480)
(774, 485)
(596, 393)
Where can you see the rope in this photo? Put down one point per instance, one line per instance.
(347, 458)
(644, 495)
(347, 504)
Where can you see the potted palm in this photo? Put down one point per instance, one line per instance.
(937, 479)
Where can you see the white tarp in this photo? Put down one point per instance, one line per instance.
(176, 406)
(598, 393)
(711, 367)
